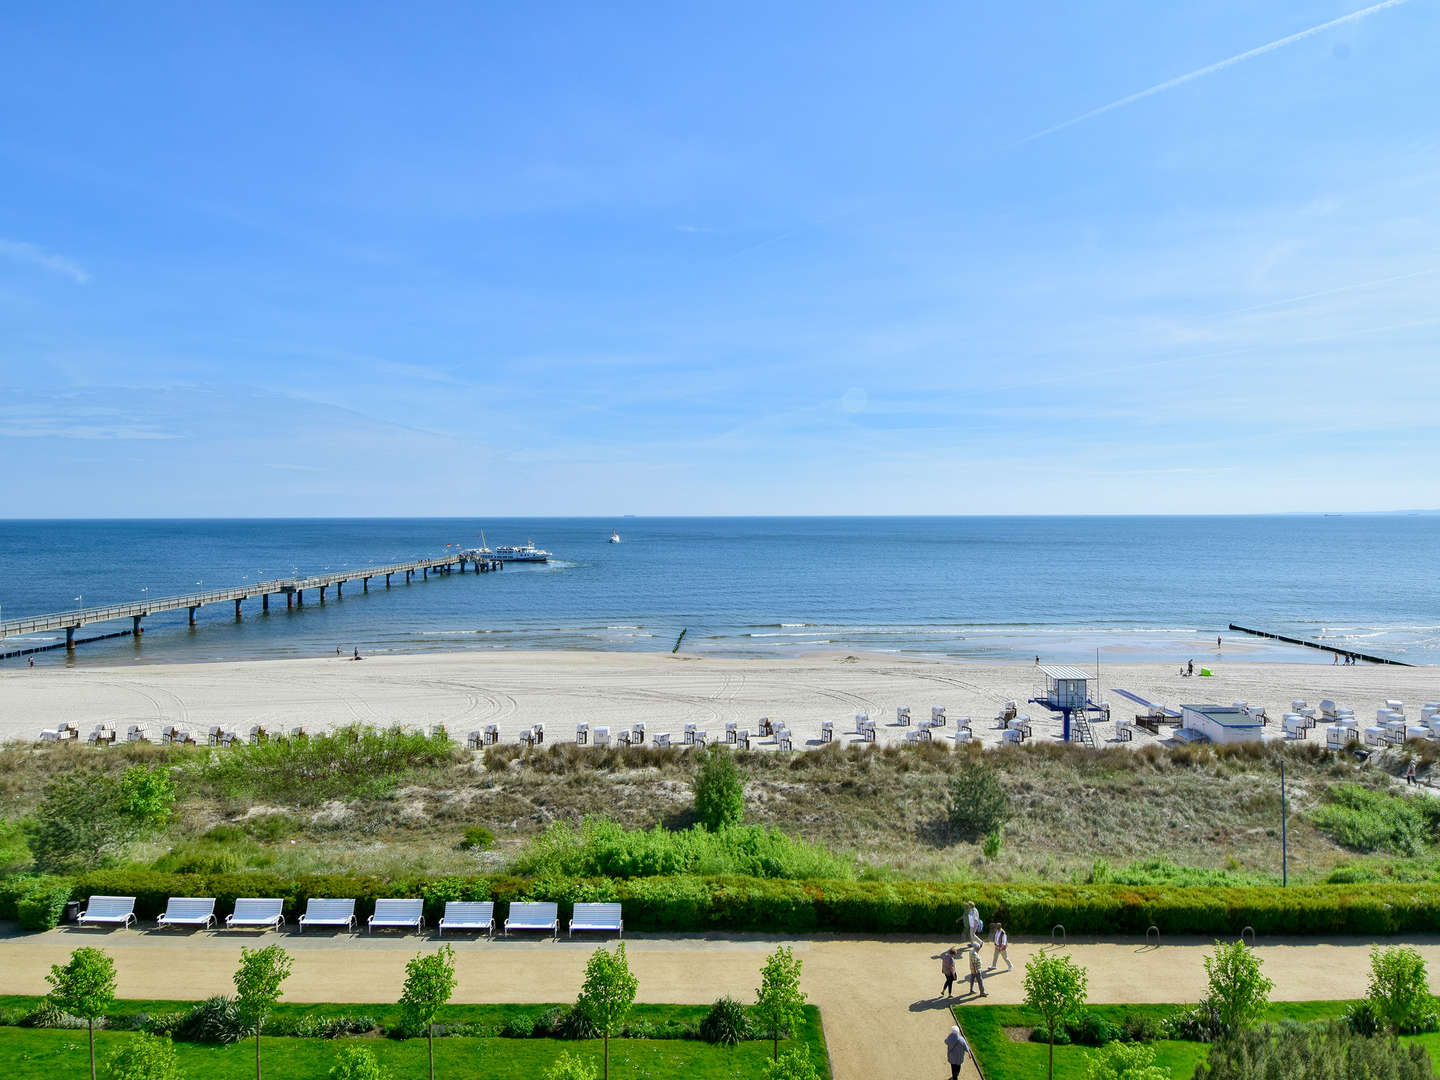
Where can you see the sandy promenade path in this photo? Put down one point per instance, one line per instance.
(874, 994)
(514, 689)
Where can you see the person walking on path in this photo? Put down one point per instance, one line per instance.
(973, 923)
(1410, 773)
(1002, 948)
(947, 968)
(955, 1050)
(977, 974)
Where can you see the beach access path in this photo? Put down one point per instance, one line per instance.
(874, 994)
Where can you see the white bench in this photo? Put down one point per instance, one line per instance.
(533, 916)
(468, 915)
(320, 912)
(257, 911)
(188, 911)
(398, 913)
(109, 909)
(597, 917)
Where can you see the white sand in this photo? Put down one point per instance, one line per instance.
(516, 689)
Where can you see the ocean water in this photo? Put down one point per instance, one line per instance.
(1146, 588)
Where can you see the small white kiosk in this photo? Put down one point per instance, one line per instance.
(1221, 723)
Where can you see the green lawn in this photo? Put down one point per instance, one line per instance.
(1003, 1059)
(30, 1054)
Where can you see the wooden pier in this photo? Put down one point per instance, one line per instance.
(1319, 645)
(293, 589)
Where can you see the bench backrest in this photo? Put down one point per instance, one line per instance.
(533, 912)
(398, 909)
(189, 907)
(479, 912)
(597, 915)
(259, 907)
(328, 909)
(110, 907)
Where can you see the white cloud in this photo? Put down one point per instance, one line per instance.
(34, 255)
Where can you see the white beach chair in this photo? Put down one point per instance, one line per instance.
(400, 914)
(902, 715)
(662, 739)
(50, 735)
(475, 740)
(533, 916)
(962, 722)
(689, 737)
(1124, 729)
(257, 911)
(861, 719)
(1294, 725)
(782, 739)
(867, 730)
(491, 735)
(730, 728)
(215, 734)
(622, 738)
(602, 917)
(637, 733)
(827, 731)
(1395, 706)
(108, 911)
(468, 915)
(1417, 733)
(961, 735)
(582, 733)
(702, 738)
(68, 732)
(324, 912)
(136, 733)
(1375, 736)
(188, 911)
(742, 739)
(764, 727)
(602, 737)
(937, 716)
(1012, 735)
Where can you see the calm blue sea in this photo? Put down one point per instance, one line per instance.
(981, 588)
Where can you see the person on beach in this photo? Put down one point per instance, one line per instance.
(1002, 948)
(1217, 641)
(947, 968)
(973, 923)
(1410, 773)
(1191, 670)
(955, 1050)
(977, 973)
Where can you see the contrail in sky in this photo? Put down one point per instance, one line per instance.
(1180, 80)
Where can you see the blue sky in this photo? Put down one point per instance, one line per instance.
(726, 258)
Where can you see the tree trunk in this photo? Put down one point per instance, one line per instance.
(775, 1052)
(607, 1057)
(90, 1020)
(430, 1038)
(1052, 1052)
(257, 1051)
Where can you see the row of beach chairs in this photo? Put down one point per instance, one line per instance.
(107, 735)
(404, 914)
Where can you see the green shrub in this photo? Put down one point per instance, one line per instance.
(1399, 992)
(569, 1067)
(1313, 1052)
(214, 1020)
(1141, 1027)
(357, 1063)
(794, 1064)
(1092, 1029)
(1238, 992)
(719, 790)
(478, 838)
(14, 847)
(147, 795)
(727, 1023)
(42, 907)
(1362, 1018)
(46, 1014)
(1119, 1061)
(144, 1057)
(518, 1026)
(205, 857)
(976, 804)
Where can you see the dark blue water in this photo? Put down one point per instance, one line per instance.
(984, 588)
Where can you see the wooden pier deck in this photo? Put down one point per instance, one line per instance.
(293, 589)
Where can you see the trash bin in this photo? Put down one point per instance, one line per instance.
(72, 911)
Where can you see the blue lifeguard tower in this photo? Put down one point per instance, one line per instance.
(1067, 691)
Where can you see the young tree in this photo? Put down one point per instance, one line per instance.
(84, 987)
(569, 1066)
(147, 795)
(976, 804)
(779, 1001)
(1055, 987)
(1400, 988)
(257, 988)
(607, 995)
(1125, 1061)
(357, 1063)
(794, 1064)
(719, 790)
(144, 1057)
(429, 982)
(1238, 992)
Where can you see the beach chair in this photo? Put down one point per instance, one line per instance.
(902, 715)
(961, 735)
(605, 917)
(827, 731)
(637, 734)
(1012, 735)
(742, 738)
(914, 737)
(1294, 726)
(215, 734)
(622, 738)
(1417, 733)
(533, 916)
(108, 911)
(962, 722)
(689, 737)
(867, 730)
(50, 735)
(475, 740)
(1020, 723)
(492, 735)
(602, 737)
(257, 911)
(1429, 709)
(582, 733)
(783, 740)
(730, 728)
(136, 733)
(1375, 736)
(103, 735)
(299, 732)
(702, 738)
(1339, 736)
(322, 912)
(398, 913)
(662, 739)
(468, 915)
(188, 911)
(861, 719)
(1395, 706)
(764, 727)
(937, 716)
(1124, 730)
(68, 732)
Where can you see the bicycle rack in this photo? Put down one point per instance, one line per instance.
(1156, 931)
(1248, 930)
(1061, 928)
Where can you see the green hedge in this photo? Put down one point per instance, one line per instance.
(696, 903)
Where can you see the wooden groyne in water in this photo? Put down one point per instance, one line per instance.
(1318, 645)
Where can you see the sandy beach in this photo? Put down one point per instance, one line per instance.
(515, 689)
